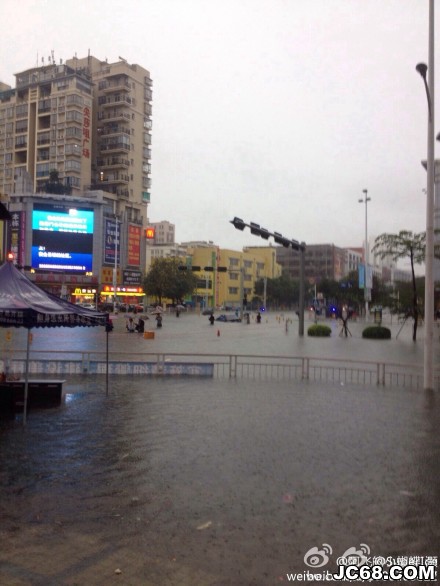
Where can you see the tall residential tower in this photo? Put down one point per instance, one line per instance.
(87, 120)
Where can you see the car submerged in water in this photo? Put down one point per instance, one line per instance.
(229, 317)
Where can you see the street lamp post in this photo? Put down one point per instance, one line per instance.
(428, 358)
(115, 270)
(367, 290)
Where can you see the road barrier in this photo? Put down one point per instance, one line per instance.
(257, 367)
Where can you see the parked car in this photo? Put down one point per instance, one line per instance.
(228, 317)
(208, 311)
(88, 305)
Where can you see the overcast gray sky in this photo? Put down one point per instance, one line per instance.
(277, 111)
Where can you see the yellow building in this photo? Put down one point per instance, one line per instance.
(226, 276)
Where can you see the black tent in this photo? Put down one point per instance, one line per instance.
(24, 304)
(4, 212)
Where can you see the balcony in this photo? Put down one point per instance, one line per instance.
(114, 85)
(113, 162)
(114, 116)
(108, 130)
(111, 101)
(43, 139)
(116, 179)
(114, 147)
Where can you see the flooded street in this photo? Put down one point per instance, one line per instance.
(191, 333)
(195, 481)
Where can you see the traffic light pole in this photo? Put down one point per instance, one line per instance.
(302, 263)
(257, 230)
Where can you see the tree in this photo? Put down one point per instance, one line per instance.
(282, 291)
(54, 184)
(403, 245)
(164, 280)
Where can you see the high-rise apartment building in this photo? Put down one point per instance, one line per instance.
(120, 128)
(42, 124)
(81, 129)
(86, 119)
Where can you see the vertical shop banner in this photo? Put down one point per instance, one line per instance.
(110, 237)
(134, 245)
(86, 132)
(17, 236)
(361, 272)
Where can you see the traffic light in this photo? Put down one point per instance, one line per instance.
(255, 229)
(185, 268)
(264, 233)
(218, 269)
(238, 223)
(279, 239)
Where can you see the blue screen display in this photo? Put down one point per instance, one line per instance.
(62, 238)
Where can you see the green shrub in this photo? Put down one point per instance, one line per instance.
(377, 333)
(319, 330)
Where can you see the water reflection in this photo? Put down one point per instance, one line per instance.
(193, 334)
(212, 474)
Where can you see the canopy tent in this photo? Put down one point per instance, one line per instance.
(24, 304)
(4, 213)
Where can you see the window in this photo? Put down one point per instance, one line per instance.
(20, 142)
(74, 115)
(21, 110)
(73, 181)
(21, 126)
(73, 166)
(74, 100)
(233, 290)
(42, 169)
(74, 132)
(71, 149)
(44, 105)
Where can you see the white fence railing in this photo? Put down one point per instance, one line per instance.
(258, 367)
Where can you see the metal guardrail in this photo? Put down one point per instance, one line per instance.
(224, 366)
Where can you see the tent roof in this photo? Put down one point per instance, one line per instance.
(24, 304)
(4, 213)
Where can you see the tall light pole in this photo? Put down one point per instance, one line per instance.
(115, 270)
(428, 357)
(367, 290)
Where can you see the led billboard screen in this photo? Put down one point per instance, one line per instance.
(62, 238)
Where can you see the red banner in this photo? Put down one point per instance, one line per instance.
(134, 245)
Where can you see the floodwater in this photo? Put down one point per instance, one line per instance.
(277, 335)
(194, 481)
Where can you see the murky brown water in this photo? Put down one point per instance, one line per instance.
(207, 482)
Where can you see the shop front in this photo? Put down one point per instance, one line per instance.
(78, 289)
(128, 298)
